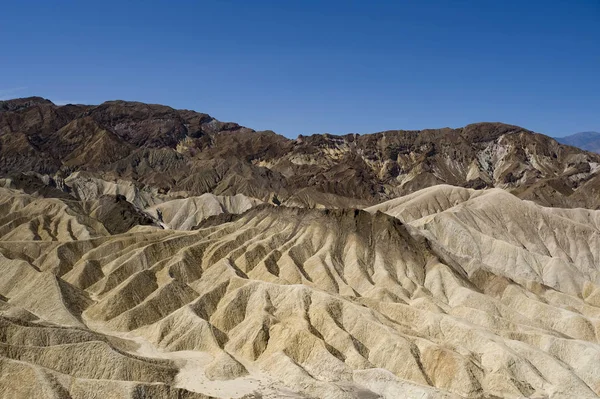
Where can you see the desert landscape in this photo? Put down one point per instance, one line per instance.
(150, 252)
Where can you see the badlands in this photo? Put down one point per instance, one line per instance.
(147, 252)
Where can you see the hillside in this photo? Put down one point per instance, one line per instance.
(147, 252)
(158, 148)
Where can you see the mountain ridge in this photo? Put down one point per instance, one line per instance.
(182, 150)
(589, 141)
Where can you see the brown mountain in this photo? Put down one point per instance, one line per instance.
(180, 150)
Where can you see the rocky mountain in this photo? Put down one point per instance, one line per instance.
(172, 151)
(147, 252)
(589, 141)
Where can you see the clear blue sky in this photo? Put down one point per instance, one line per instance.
(302, 67)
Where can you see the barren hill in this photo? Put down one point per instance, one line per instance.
(447, 292)
(147, 252)
(157, 147)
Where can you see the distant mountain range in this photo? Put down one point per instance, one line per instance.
(589, 141)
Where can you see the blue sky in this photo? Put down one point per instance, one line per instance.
(302, 67)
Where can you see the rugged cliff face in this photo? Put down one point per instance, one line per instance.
(153, 252)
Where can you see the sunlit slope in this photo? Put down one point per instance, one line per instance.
(447, 292)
